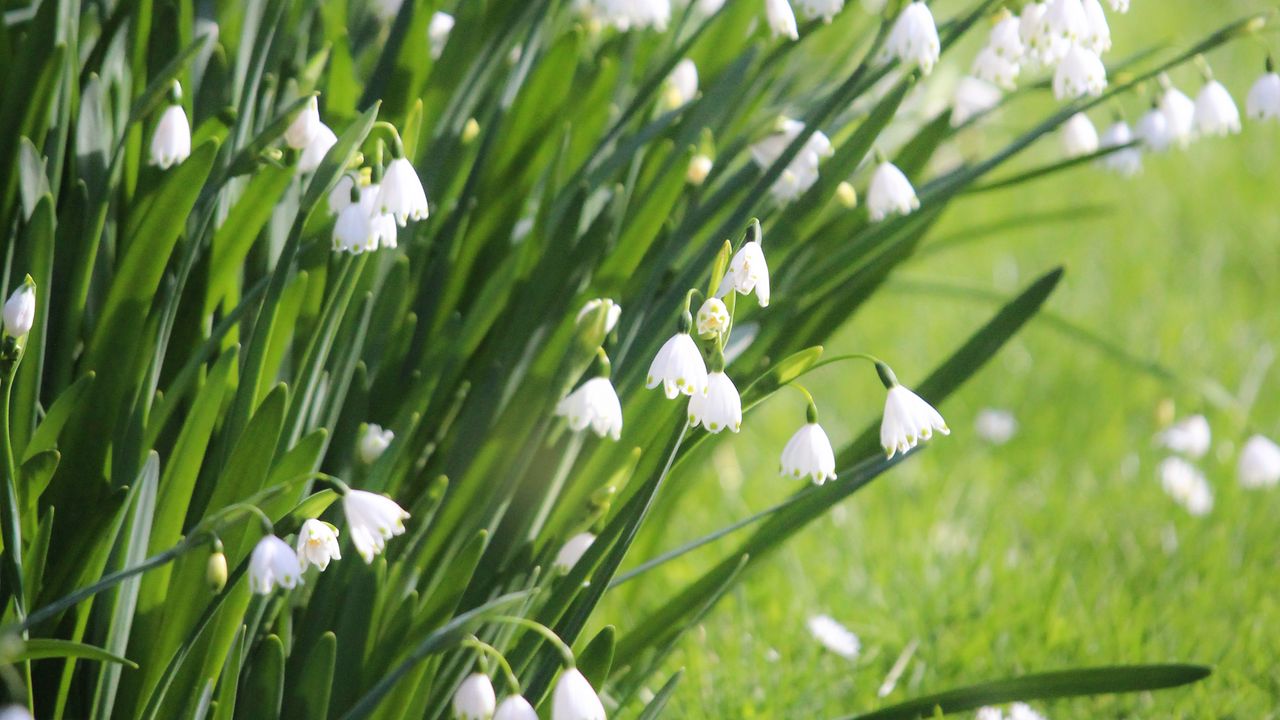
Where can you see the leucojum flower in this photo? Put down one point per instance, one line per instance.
(305, 126)
(1263, 101)
(908, 419)
(20, 310)
(721, 406)
(681, 85)
(1259, 464)
(712, 318)
(572, 552)
(890, 193)
(1190, 437)
(678, 366)
(314, 152)
(781, 19)
(914, 38)
(972, 97)
(515, 707)
(1179, 110)
(594, 404)
(373, 442)
(612, 313)
(171, 142)
(372, 519)
(1126, 162)
(317, 544)
(1186, 485)
(748, 272)
(474, 698)
(575, 699)
(809, 453)
(1079, 136)
(401, 194)
(1216, 113)
(273, 564)
(1080, 73)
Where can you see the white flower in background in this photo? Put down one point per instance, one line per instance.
(14, 712)
(1153, 130)
(353, 232)
(1127, 162)
(973, 97)
(575, 699)
(809, 454)
(1023, 711)
(572, 552)
(1179, 110)
(846, 195)
(825, 9)
(914, 38)
(273, 564)
(374, 442)
(475, 699)
(1098, 34)
(1005, 40)
(171, 143)
(996, 426)
(317, 544)
(1120, 6)
(1191, 437)
(372, 519)
(712, 317)
(386, 9)
(699, 168)
(747, 273)
(1035, 46)
(1079, 73)
(438, 32)
(834, 636)
(678, 367)
(908, 420)
(1216, 113)
(340, 195)
(890, 193)
(20, 310)
(515, 707)
(781, 19)
(720, 408)
(1079, 137)
(1186, 485)
(402, 195)
(595, 403)
(1259, 464)
(802, 172)
(1063, 24)
(313, 154)
(681, 86)
(304, 127)
(611, 315)
(988, 713)
(992, 66)
(1263, 102)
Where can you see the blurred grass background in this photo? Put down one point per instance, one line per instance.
(1058, 549)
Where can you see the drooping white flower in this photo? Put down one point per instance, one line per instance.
(973, 97)
(747, 273)
(1120, 6)
(720, 408)
(474, 699)
(996, 426)
(809, 454)
(402, 195)
(317, 544)
(1023, 711)
(273, 564)
(681, 85)
(1080, 72)
(825, 9)
(14, 712)
(995, 68)
(313, 154)
(372, 519)
(575, 699)
(802, 172)
(627, 15)
(989, 712)
(914, 38)
(1098, 33)
(678, 367)
(612, 314)
(340, 195)
(1216, 113)
(1079, 137)
(438, 31)
(1259, 464)
(354, 232)
(908, 420)
(699, 168)
(1190, 437)
(1035, 46)
(171, 142)
(1186, 485)
(572, 551)
(20, 310)
(1127, 162)
(374, 442)
(1004, 39)
(304, 127)
(890, 193)
(515, 707)
(1063, 24)
(595, 403)
(781, 19)
(1180, 111)
(1153, 130)
(712, 317)
(834, 636)
(1263, 102)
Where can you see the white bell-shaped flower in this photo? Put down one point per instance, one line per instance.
(1180, 111)
(1005, 40)
(1263, 102)
(594, 404)
(833, 636)
(340, 196)
(304, 127)
(438, 31)
(1191, 437)
(612, 314)
(20, 310)
(809, 454)
(720, 408)
(374, 442)
(1153, 130)
(1036, 49)
(1079, 136)
(1259, 464)
(572, 551)
(825, 9)
(273, 564)
(995, 68)
(1063, 24)
(747, 273)
(914, 38)
(908, 420)
(171, 143)
(1216, 113)
(973, 97)
(372, 519)
(515, 707)
(313, 154)
(1079, 73)
(474, 698)
(1186, 485)
(678, 367)
(317, 544)
(1120, 6)
(14, 712)
(1098, 33)
(996, 426)
(1127, 162)
(354, 232)
(890, 193)
(712, 318)
(699, 168)
(781, 19)
(681, 85)
(402, 195)
(575, 699)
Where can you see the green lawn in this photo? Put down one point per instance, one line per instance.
(1059, 549)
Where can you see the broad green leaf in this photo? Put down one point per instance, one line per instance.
(308, 692)
(263, 694)
(596, 658)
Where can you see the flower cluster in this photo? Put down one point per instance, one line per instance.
(572, 699)
(1188, 441)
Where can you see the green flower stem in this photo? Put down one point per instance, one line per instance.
(397, 146)
(565, 651)
(485, 648)
(10, 515)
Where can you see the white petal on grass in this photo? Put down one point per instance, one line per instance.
(834, 636)
(1190, 437)
(1259, 464)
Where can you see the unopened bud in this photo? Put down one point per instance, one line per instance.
(470, 131)
(20, 310)
(215, 573)
(699, 168)
(846, 195)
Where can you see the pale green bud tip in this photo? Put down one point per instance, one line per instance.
(470, 131)
(215, 573)
(846, 195)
